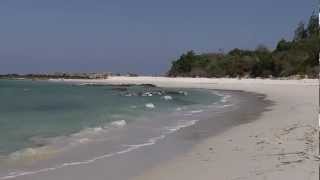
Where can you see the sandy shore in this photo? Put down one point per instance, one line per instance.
(280, 144)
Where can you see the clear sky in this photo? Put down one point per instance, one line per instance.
(140, 36)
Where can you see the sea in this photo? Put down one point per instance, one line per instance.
(40, 120)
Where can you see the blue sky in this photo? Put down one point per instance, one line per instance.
(140, 36)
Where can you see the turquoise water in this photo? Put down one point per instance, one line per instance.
(33, 110)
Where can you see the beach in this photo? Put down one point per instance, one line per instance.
(159, 90)
(272, 134)
(281, 144)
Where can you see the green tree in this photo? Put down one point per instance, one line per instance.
(300, 33)
(296, 57)
(283, 45)
(313, 25)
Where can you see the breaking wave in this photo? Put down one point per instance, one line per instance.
(128, 148)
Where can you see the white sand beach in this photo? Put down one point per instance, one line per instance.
(277, 141)
(281, 144)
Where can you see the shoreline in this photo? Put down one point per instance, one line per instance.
(281, 144)
(187, 81)
(254, 143)
(131, 164)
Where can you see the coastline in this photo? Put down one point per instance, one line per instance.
(276, 142)
(280, 144)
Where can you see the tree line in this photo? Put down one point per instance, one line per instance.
(298, 56)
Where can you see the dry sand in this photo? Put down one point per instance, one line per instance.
(281, 144)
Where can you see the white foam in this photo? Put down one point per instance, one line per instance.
(225, 98)
(81, 137)
(150, 105)
(97, 129)
(19, 154)
(84, 140)
(196, 111)
(151, 141)
(89, 132)
(184, 93)
(167, 98)
(181, 108)
(147, 94)
(30, 154)
(181, 124)
(227, 105)
(86, 84)
(119, 123)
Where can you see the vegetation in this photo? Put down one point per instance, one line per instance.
(290, 58)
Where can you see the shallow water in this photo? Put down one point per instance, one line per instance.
(35, 114)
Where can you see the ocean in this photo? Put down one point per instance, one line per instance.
(40, 119)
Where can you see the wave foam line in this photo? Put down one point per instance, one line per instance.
(183, 124)
(196, 111)
(224, 98)
(129, 149)
(225, 105)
